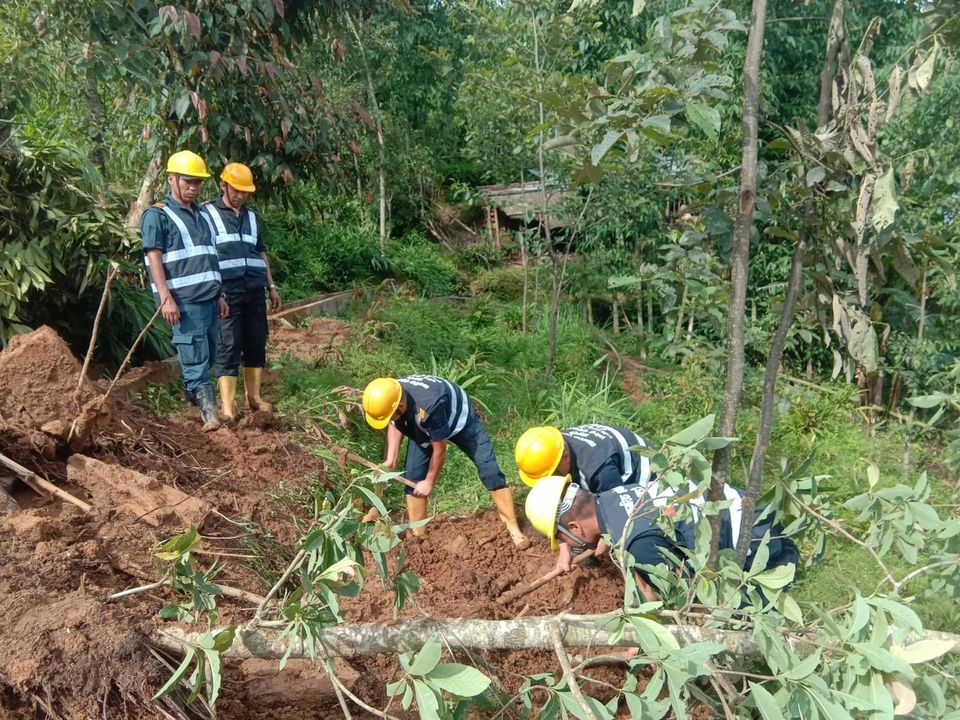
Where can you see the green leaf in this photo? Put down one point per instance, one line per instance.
(704, 117)
(791, 610)
(928, 401)
(664, 638)
(884, 204)
(815, 175)
(426, 701)
(768, 707)
(804, 668)
(428, 657)
(923, 650)
(638, 6)
(660, 123)
(859, 616)
(460, 680)
(343, 566)
(693, 434)
(779, 577)
(374, 500)
(177, 674)
(223, 640)
(216, 665)
(603, 147)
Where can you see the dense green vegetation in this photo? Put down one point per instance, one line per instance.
(370, 128)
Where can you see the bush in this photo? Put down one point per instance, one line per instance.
(421, 262)
(309, 255)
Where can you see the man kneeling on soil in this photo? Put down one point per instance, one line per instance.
(432, 411)
(558, 507)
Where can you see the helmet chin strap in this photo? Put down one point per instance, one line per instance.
(576, 539)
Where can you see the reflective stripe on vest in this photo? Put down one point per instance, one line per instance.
(237, 251)
(459, 407)
(625, 453)
(183, 267)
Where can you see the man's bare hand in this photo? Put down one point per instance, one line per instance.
(564, 559)
(601, 548)
(170, 310)
(223, 308)
(275, 301)
(423, 488)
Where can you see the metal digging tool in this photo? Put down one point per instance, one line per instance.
(511, 595)
(353, 457)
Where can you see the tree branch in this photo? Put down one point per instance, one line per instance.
(568, 673)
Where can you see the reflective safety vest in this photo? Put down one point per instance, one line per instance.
(189, 263)
(593, 445)
(238, 252)
(438, 410)
(615, 507)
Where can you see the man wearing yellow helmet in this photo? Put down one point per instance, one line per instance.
(245, 270)
(569, 514)
(185, 277)
(433, 411)
(598, 457)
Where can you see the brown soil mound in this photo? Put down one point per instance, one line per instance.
(322, 337)
(38, 378)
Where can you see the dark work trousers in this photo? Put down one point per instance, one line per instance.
(243, 333)
(474, 441)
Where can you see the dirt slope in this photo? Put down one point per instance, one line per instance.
(67, 653)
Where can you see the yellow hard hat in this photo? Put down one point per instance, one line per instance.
(380, 400)
(543, 506)
(239, 177)
(188, 164)
(538, 453)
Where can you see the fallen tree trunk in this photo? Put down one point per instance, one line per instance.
(532, 632)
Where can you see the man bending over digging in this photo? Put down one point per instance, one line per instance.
(562, 510)
(433, 412)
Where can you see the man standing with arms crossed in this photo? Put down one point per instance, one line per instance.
(185, 278)
(246, 273)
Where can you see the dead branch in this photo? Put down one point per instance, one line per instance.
(41, 486)
(96, 330)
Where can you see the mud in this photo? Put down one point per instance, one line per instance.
(66, 652)
(320, 338)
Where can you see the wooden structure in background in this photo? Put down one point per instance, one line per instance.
(518, 205)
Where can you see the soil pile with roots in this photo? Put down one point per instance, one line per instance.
(67, 652)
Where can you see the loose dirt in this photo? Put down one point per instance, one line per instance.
(65, 652)
(319, 338)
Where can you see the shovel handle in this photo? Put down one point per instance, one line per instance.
(352, 457)
(512, 595)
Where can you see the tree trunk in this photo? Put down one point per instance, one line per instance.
(739, 262)
(835, 35)
(526, 281)
(557, 267)
(95, 111)
(589, 311)
(616, 316)
(145, 196)
(378, 125)
(592, 631)
(762, 443)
